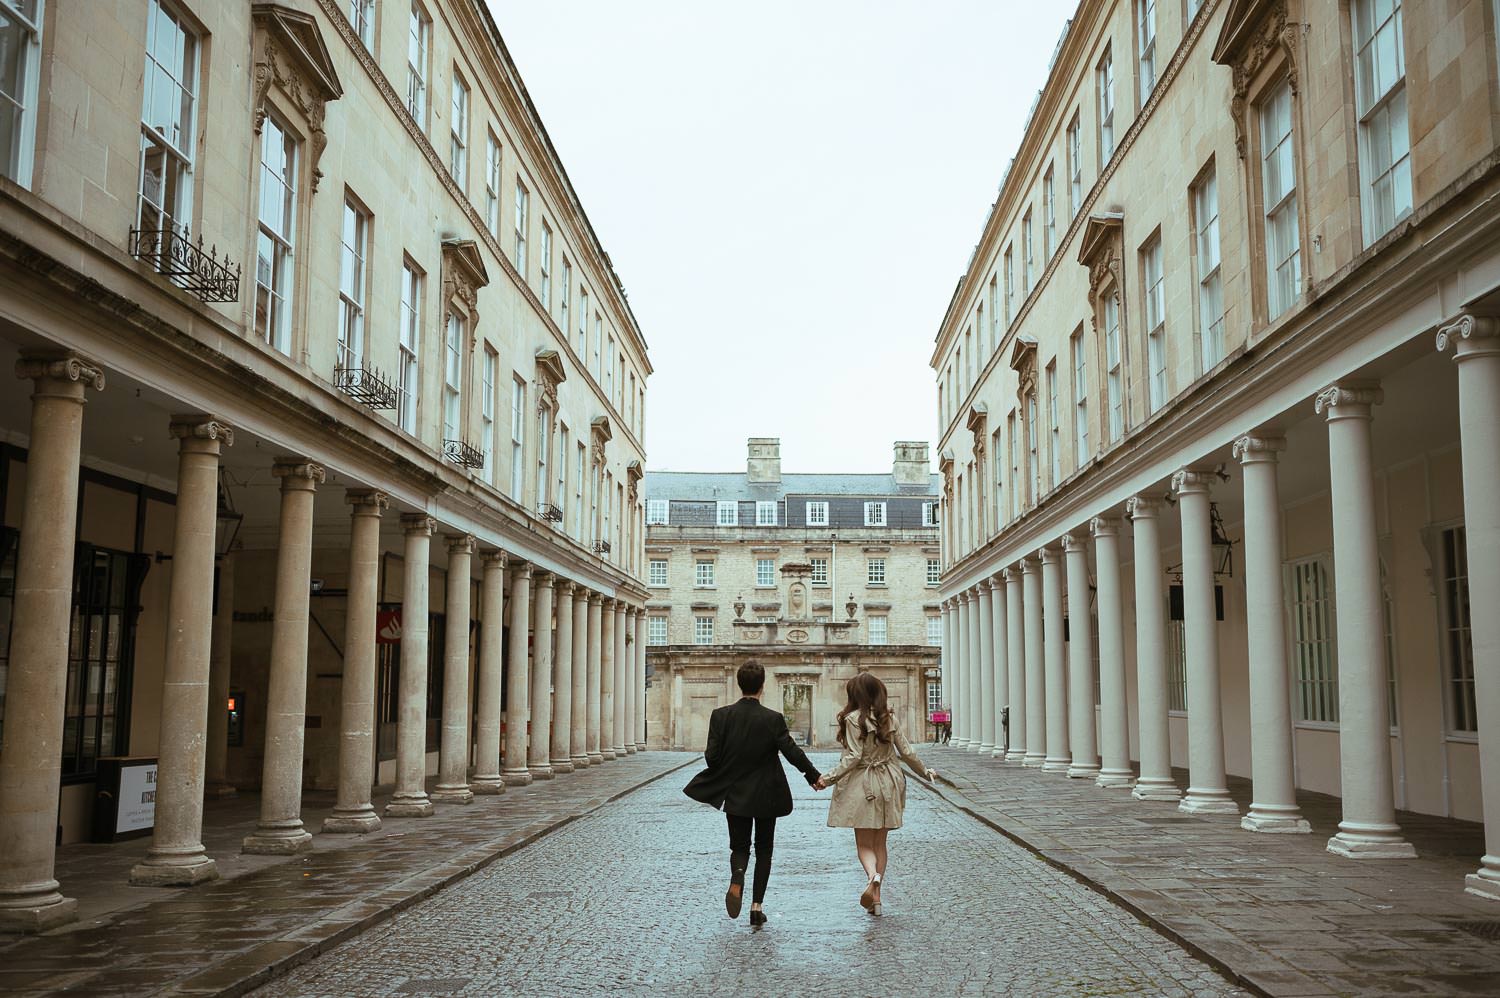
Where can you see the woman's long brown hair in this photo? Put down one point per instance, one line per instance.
(866, 695)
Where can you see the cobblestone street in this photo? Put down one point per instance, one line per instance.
(629, 901)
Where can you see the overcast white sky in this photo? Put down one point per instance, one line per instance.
(789, 190)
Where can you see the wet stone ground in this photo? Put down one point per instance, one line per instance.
(629, 900)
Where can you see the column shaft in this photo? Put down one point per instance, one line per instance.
(1000, 677)
(1156, 781)
(453, 744)
(607, 681)
(595, 679)
(1036, 693)
(491, 682)
(562, 672)
(410, 799)
(1081, 721)
(1055, 659)
(220, 667)
(578, 723)
(280, 828)
(974, 673)
(621, 683)
(640, 680)
(945, 665)
(985, 621)
(518, 678)
(960, 704)
(1368, 829)
(1015, 653)
(539, 749)
(1114, 731)
(1273, 805)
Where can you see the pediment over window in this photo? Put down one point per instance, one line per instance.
(1023, 354)
(978, 413)
(634, 471)
(463, 272)
(600, 433)
(1101, 250)
(289, 53)
(1254, 34)
(945, 461)
(549, 374)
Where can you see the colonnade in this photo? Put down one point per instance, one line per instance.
(1003, 633)
(571, 702)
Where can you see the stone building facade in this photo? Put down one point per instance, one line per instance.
(330, 414)
(815, 576)
(1220, 392)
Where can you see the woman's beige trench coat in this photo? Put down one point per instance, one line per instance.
(869, 789)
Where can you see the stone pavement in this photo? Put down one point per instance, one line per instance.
(629, 901)
(230, 935)
(1277, 911)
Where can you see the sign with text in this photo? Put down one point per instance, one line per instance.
(137, 800)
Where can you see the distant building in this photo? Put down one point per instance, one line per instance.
(815, 576)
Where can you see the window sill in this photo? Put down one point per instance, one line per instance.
(771, 587)
(1462, 737)
(875, 585)
(1332, 726)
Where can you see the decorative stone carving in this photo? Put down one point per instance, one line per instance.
(64, 367)
(1190, 480)
(296, 468)
(1251, 449)
(1254, 32)
(1351, 396)
(289, 53)
(201, 428)
(550, 373)
(1141, 506)
(1101, 250)
(463, 275)
(796, 635)
(600, 434)
(1471, 328)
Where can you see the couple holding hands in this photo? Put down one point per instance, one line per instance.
(745, 780)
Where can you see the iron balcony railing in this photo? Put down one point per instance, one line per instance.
(550, 512)
(172, 253)
(367, 386)
(463, 453)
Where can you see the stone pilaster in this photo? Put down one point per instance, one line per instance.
(354, 812)
(1083, 735)
(487, 778)
(1368, 829)
(410, 799)
(280, 830)
(1156, 781)
(453, 741)
(518, 678)
(1114, 730)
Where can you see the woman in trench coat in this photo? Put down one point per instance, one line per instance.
(869, 789)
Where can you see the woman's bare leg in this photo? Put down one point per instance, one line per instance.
(864, 845)
(878, 836)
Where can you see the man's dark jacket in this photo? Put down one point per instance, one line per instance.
(744, 777)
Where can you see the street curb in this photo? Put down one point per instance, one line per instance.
(1158, 925)
(449, 874)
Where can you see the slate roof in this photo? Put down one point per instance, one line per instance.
(704, 486)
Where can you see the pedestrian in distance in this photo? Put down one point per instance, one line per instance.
(744, 779)
(869, 788)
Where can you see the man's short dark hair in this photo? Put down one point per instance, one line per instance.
(751, 677)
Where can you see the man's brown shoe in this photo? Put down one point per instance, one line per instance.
(733, 898)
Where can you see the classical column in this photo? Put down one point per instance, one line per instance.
(607, 681)
(31, 759)
(1156, 781)
(1207, 791)
(491, 681)
(1055, 659)
(627, 685)
(562, 682)
(177, 856)
(1368, 829)
(453, 743)
(621, 683)
(220, 659)
(999, 678)
(945, 664)
(280, 828)
(410, 799)
(640, 680)
(978, 721)
(539, 749)
(1114, 731)
(1081, 721)
(1015, 655)
(353, 811)
(1477, 353)
(985, 674)
(960, 734)
(518, 678)
(595, 678)
(1036, 694)
(1273, 806)
(578, 725)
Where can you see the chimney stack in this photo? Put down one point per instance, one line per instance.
(763, 464)
(911, 466)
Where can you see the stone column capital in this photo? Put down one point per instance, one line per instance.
(1253, 449)
(199, 432)
(961, 598)
(1075, 540)
(60, 366)
(297, 473)
(1349, 400)
(1050, 554)
(417, 524)
(1104, 526)
(520, 570)
(992, 583)
(1192, 481)
(1009, 574)
(595, 599)
(366, 502)
(1031, 564)
(462, 543)
(1142, 507)
(493, 559)
(542, 580)
(1472, 336)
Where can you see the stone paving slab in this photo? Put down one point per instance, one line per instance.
(1278, 913)
(272, 913)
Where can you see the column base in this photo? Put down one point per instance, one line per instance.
(456, 793)
(1082, 772)
(1055, 764)
(1357, 840)
(354, 821)
(631, 750)
(999, 754)
(1486, 882)
(285, 839)
(541, 771)
(516, 777)
(596, 758)
(1208, 801)
(220, 791)
(562, 767)
(1115, 779)
(581, 762)
(409, 805)
(1285, 820)
(32, 912)
(1155, 788)
(620, 752)
(489, 786)
(958, 743)
(168, 869)
(607, 755)
(1015, 755)
(983, 748)
(1033, 760)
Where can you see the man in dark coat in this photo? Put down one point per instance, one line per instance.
(744, 779)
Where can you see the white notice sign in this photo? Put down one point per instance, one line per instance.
(137, 797)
